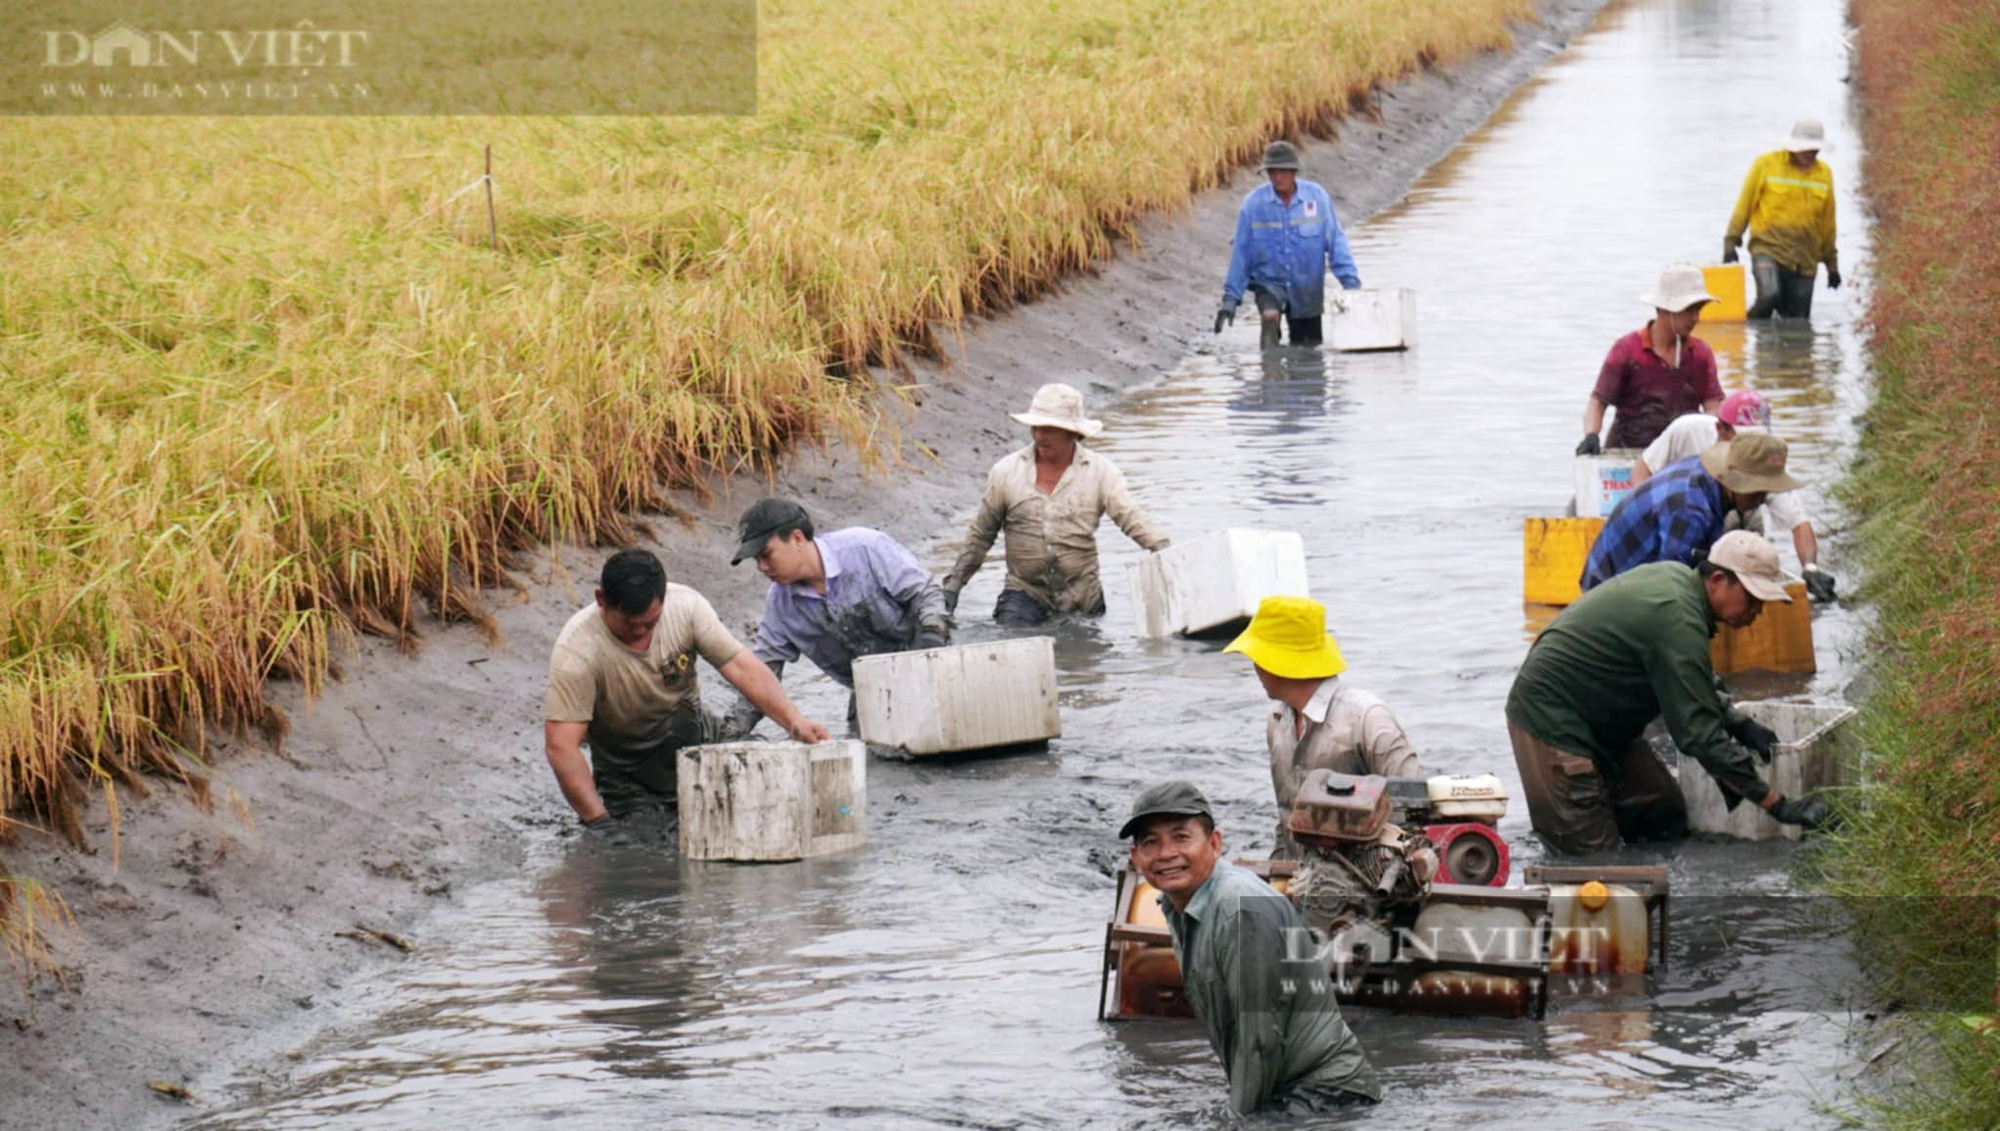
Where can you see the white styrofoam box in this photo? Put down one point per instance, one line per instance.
(1475, 797)
(966, 697)
(1215, 581)
(1815, 743)
(1603, 480)
(772, 800)
(1371, 318)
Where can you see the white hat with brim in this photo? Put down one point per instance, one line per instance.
(1754, 562)
(1808, 135)
(1059, 406)
(1681, 286)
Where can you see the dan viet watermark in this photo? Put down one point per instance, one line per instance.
(123, 64)
(1735, 955)
(665, 57)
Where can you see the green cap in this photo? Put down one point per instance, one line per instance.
(1169, 799)
(765, 518)
(1280, 155)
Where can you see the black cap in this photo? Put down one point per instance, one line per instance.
(1170, 799)
(765, 518)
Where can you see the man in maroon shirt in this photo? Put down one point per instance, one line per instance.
(1655, 373)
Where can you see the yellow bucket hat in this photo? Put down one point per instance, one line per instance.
(1288, 638)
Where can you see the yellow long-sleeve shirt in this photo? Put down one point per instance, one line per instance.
(1789, 212)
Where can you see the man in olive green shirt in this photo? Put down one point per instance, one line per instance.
(1633, 649)
(1249, 966)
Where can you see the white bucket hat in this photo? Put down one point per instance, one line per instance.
(1059, 406)
(1754, 562)
(1681, 286)
(1808, 133)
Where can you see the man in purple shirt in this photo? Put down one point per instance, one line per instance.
(841, 595)
(1657, 372)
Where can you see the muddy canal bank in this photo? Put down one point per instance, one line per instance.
(944, 976)
(413, 787)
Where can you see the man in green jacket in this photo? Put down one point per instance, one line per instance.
(1633, 649)
(1249, 965)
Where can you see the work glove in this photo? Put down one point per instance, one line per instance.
(1224, 316)
(607, 830)
(1832, 279)
(951, 602)
(1805, 812)
(931, 636)
(1757, 737)
(1819, 586)
(1589, 445)
(1728, 250)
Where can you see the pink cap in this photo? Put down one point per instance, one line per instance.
(1744, 408)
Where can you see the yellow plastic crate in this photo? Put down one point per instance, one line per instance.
(1780, 640)
(1552, 556)
(1725, 282)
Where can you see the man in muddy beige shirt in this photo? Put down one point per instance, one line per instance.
(1049, 498)
(622, 678)
(1317, 722)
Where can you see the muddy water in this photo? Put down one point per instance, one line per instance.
(946, 976)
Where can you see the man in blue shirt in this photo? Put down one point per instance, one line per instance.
(1676, 515)
(841, 595)
(1249, 965)
(1286, 239)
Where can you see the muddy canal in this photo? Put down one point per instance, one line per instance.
(946, 976)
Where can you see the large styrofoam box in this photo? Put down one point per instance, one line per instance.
(1815, 744)
(966, 697)
(1603, 481)
(1216, 581)
(772, 800)
(1372, 318)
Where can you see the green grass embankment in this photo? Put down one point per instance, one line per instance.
(1927, 486)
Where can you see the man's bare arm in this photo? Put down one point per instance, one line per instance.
(747, 674)
(563, 743)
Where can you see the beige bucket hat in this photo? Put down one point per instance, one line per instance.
(1751, 463)
(1754, 562)
(1681, 286)
(1059, 406)
(1807, 134)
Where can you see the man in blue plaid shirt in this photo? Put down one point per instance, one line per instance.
(1676, 515)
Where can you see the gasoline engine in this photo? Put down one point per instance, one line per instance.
(1403, 879)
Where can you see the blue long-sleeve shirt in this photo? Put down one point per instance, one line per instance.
(1287, 249)
(1673, 517)
(877, 597)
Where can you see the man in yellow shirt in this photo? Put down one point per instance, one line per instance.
(1787, 205)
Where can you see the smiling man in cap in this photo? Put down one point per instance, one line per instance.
(1249, 966)
(1657, 372)
(1787, 206)
(1317, 722)
(1287, 239)
(834, 597)
(1049, 498)
(1677, 515)
(1631, 650)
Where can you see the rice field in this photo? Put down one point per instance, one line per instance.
(266, 384)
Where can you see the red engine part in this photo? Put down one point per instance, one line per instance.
(1469, 853)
